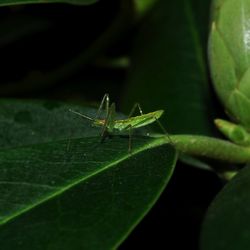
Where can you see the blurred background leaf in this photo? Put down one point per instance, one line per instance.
(226, 225)
(143, 6)
(35, 122)
(168, 66)
(16, 2)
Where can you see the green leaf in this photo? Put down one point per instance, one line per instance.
(17, 2)
(59, 193)
(168, 68)
(143, 7)
(35, 122)
(226, 225)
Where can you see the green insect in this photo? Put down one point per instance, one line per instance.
(110, 124)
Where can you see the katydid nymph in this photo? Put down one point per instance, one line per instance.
(109, 124)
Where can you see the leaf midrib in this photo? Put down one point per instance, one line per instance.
(154, 143)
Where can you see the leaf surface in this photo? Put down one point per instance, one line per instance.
(63, 192)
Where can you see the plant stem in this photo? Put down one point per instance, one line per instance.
(209, 147)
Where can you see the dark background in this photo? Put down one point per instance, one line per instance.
(37, 42)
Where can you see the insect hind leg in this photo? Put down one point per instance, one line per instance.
(136, 105)
(164, 130)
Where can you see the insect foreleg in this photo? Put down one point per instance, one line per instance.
(109, 122)
(105, 100)
(104, 131)
(130, 139)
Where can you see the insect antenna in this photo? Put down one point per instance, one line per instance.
(84, 116)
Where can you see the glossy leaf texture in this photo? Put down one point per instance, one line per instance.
(168, 66)
(63, 192)
(226, 225)
(17, 2)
